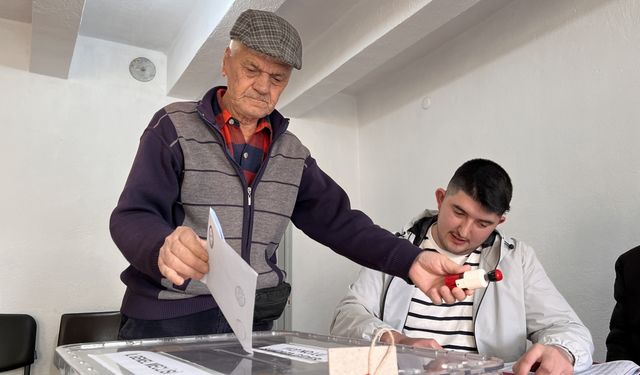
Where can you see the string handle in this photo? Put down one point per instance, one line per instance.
(376, 337)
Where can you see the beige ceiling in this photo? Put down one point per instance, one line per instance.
(16, 10)
(347, 43)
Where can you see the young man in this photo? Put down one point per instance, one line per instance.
(232, 151)
(497, 320)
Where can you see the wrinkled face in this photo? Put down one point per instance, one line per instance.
(254, 82)
(463, 223)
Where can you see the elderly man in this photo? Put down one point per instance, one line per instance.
(232, 151)
(497, 320)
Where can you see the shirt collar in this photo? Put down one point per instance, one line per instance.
(220, 112)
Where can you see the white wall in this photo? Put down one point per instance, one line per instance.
(67, 147)
(319, 276)
(549, 89)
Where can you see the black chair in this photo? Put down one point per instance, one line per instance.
(17, 342)
(78, 328)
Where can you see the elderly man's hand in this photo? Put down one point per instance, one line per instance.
(183, 256)
(548, 360)
(427, 273)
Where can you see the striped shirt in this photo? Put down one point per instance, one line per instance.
(450, 325)
(250, 154)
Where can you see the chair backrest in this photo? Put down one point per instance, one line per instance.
(17, 341)
(77, 328)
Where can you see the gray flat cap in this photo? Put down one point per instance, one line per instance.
(270, 34)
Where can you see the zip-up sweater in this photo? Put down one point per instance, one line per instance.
(182, 168)
(525, 305)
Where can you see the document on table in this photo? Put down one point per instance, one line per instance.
(232, 283)
(614, 367)
(605, 368)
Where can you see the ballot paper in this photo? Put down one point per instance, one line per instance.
(232, 283)
(245, 367)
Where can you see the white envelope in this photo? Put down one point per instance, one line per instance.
(232, 283)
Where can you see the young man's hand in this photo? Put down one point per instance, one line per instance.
(427, 273)
(401, 339)
(544, 359)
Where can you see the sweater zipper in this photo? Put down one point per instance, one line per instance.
(245, 247)
(247, 217)
(250, 191)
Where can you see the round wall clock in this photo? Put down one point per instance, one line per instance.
(142, 69)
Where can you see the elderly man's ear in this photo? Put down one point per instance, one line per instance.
(227, 54)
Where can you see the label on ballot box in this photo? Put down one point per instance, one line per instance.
(145, 363)
(304, 353)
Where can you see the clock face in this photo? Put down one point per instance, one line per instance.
(142, 69)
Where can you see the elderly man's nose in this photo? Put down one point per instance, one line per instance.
(262, 83)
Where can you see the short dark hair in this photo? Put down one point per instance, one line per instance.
(486, 182)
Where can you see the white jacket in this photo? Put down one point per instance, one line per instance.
(524, 305)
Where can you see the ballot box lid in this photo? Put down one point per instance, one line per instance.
(275, 352)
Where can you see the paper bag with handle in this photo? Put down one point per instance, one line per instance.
(363, 360)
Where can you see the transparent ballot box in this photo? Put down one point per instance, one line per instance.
(274, 353)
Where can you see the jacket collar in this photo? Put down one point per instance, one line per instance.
(420, 224)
